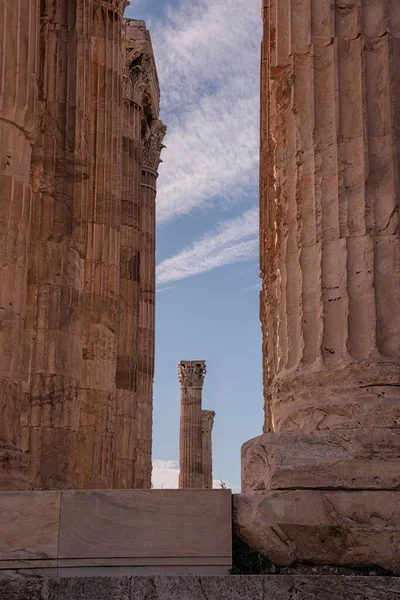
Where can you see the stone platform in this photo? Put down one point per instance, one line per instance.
(231, 587)
(115, 532)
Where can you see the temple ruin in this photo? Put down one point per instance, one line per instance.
(195, 446)
(325, 473)
(81, 139)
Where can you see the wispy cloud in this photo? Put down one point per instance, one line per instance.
(207, 56)
(233, 241)
(166, 475)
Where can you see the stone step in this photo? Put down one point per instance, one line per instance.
(233, 587)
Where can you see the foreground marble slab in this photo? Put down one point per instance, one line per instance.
(115, 532)
(231, 587)
(322, 527)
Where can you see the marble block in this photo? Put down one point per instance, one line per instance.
(347, 459)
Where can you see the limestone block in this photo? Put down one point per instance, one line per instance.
(348, 528)
(29, 525)
(151, 524)
(349, 459)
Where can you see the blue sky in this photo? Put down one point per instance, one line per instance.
(207, 53)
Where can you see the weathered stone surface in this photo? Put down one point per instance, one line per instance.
(347, 459)
(207, 424)
(330, 245)
(351, 528)
(29, 525)
(77, 250)
(191, 377)
(269, 587)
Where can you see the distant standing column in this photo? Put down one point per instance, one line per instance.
(207, 421)
(191, 377)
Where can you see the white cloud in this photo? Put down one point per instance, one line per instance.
(166, 475)
(207, 57)
(235, 240)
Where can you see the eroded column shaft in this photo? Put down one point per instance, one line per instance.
(102, 266)
(18, 125)
(60, 172)
(330, 249)
(207, 427)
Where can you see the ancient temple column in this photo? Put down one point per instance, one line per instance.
(330, 247)
(191, 377)
(207, 423)
(60, 170)
(18, 120)
(102, 265)
(153, 132)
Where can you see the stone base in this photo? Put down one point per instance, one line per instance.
(340, 459)
(348, 528)
(253, 587)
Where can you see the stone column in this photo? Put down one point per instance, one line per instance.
(330, 264)
(153, 132)
(329, 231)
(207, 421)
(18, 120)
(102, 265)
(191, 377)
(60, 171)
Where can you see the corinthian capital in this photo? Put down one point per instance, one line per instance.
(152, 144)
(192, 373)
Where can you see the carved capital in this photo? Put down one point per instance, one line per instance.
(207, 420)
(152, 144)
(192, 373)
(115, 5)
(136, 76)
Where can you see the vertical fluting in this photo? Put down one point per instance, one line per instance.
(207, 423)
(19, 30)
(102, 265)
(191, 377)
(127, 350)
(329, 181)
(153, 132)
(60, 174)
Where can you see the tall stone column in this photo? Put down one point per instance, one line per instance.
(18, 120)
(102, 265)
(330, 268)
(191, 377)
(329, 215)
(60, 171)
(153, 132)
(142, 143)
(207, 422)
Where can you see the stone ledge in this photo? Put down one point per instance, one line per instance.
(234, 587)
(343, 528)
(344, 459)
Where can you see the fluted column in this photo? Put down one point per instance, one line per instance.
(60, 171)
(102, 265)
(19, 31)
(135, 78)
(153, 132)
(330, 248)
(191, 377)
(207, 421)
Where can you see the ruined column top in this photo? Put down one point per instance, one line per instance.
(116, 5)
(192, 373)
(208, 417)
